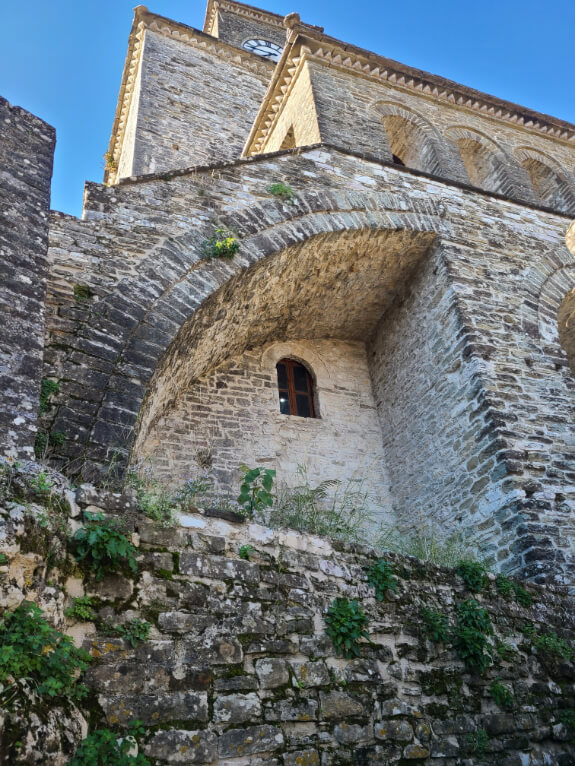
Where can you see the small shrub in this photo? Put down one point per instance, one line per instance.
(82, 293)
(102, 547)
(553, 646)
(506, 651)
(346, 623)
(32, 651)
(380, 576)
(477, 742)
(158, 502)
(107, 748)
(3, 559)
(109, 161)
(222, 245)
(256, 490)
(281, 190)
(473, 575)
(427, 544)
(435, 625)
(40, 482)
(502, 695)
(470, 639)
(504, 585)
(134, 631)
(46, 439)
(82, 609)
(334, 509)
(47, 389)
(246, 551)
(523, 597)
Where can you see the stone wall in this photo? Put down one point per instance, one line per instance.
(26, 153)
(238, 668)
(434, 443)
(233, 415)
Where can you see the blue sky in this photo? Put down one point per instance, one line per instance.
(63, 59)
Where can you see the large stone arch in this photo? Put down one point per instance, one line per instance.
(129, 332)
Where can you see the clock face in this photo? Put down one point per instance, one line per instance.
(263, 48)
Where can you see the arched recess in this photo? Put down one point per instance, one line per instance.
(566, 325)
(554, 307)
(485, 162)
(550, 183)
(411, 138)
(128, 332)
(334, 285)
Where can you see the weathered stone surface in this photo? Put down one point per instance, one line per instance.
(255, 739)
(272, 673)
(309, 674)
(156, 708)
(175, 746)
(236, 708)
(340, 705)
(292, 710)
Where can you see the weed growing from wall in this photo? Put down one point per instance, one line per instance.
(48, 388)
(471, 635)
(134, 631)
(502, 695)
(33, 653)
(281, 191)
(101, 547)
(345, 625)
(473, 575)
(223, 244)
(381, 577)
(107, 748)
(82, 609)
(435, 625)
(256, 490)
(246, 551)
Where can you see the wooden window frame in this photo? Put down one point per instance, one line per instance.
(291, 391)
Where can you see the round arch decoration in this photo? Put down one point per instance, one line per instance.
(142, 319)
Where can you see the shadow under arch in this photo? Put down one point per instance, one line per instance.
(485, 161)
(333, 285)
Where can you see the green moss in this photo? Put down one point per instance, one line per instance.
(82, 293)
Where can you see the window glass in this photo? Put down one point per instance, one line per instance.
(295, 389)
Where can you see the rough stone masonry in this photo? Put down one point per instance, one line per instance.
(426, 231)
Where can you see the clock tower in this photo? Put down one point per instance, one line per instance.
(245, 27)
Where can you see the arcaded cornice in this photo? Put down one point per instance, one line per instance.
(240, 9)
(145, 20)
(308, 43)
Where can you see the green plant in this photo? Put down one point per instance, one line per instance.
(470, 637)
(506, 651)
(381, 577)
(33, 652)
(82, 609)
(223, 244)
(47, 389)
(523, 597)
(40, 482)
(82, 293)
(332, 509)
(246, 551)
(107, 748)
(504, 585)
(346, 623)
(567, 718)
(134, 631)
(44, 439)
(109, 161)
(281, 190)
(427, 544)
(552, 646)
(102, 547)
(3, 559)
(435, 625)
(473, 575)
(502, 695)
(158, 502)
(256, 490)
(477, 742)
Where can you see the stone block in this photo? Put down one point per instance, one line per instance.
(254, 739)
(236, 708)
(176, 746)
(338, 706)
(272, 672)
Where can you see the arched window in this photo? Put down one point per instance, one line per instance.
(295, 388)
